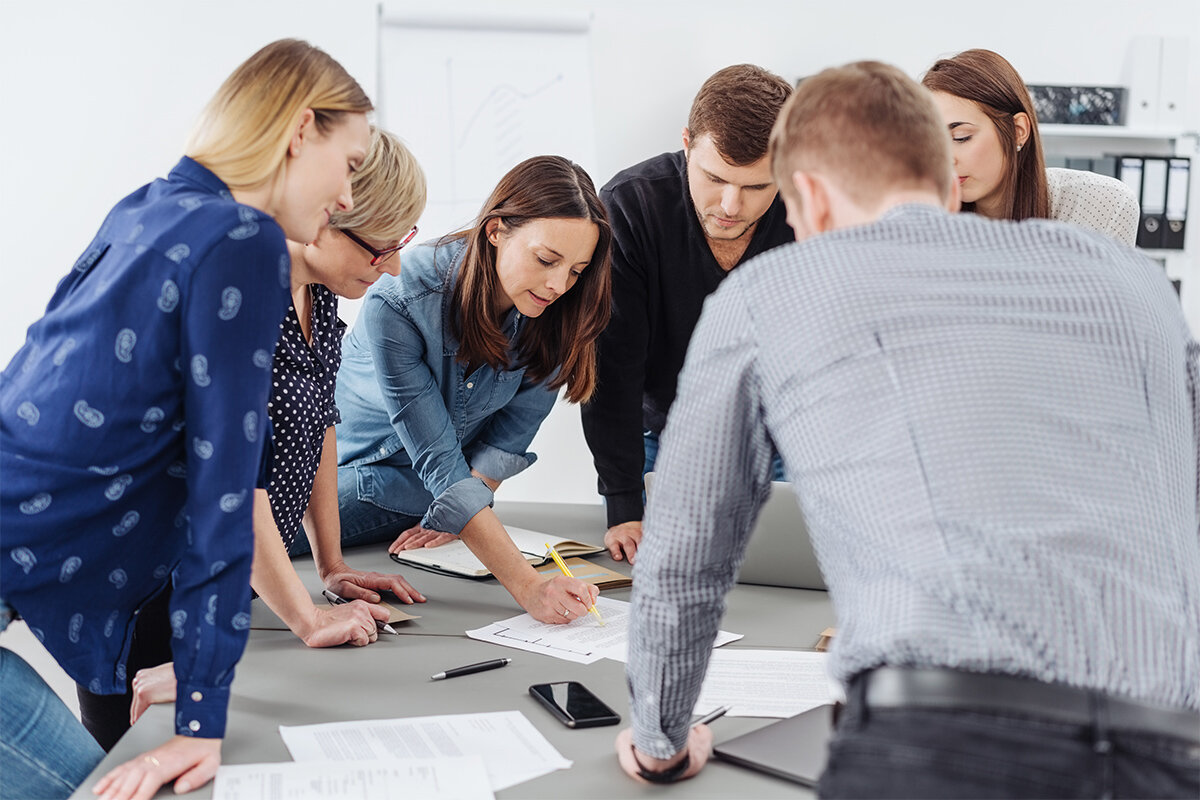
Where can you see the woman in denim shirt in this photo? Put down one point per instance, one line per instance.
(454, 364)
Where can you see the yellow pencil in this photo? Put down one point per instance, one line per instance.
(567, 571)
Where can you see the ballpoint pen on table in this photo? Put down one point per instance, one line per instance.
(712, 716)
(470, 669)
(566, 571)
(337, 600)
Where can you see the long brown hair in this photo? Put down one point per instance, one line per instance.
(561, 343)
(992, 83)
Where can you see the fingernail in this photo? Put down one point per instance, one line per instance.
(182, 787)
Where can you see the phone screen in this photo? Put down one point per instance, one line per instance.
(574, 704)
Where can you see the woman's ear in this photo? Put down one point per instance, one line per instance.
(1022, 126)
(305, 125)
(493, 228)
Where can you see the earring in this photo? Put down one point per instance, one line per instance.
(1019, 148)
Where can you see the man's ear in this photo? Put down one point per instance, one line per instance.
(687, 140)
(305, 125)
(816, 208)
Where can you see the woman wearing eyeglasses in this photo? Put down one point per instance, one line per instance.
(454, 364)
(354, 251)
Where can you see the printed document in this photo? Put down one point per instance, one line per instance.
(513, 751)
(442, 778)
(767, 683)
(583, 640)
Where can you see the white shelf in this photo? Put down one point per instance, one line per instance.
(1111, 132)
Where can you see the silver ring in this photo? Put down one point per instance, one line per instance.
(566, 613)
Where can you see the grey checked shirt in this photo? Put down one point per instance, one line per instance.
(992, 429)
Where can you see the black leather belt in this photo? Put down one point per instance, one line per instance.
(898, 687)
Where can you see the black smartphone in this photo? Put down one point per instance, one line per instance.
(574, 705)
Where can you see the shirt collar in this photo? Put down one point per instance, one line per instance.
(188, 170)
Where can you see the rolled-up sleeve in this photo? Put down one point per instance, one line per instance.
(713, 476)
(418, 414)
(501, 451)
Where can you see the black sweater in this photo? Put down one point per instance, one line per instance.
(663, 269)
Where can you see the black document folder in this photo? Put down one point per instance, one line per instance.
(1178, 178)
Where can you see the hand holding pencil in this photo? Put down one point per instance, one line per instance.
(562, 565)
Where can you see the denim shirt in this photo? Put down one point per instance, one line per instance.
(414, 423)
(132, 424)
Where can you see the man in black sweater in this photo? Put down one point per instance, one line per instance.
(681, 221)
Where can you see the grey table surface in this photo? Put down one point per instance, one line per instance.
(279, 681)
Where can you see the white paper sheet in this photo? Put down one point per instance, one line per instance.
(513, 751)
(583, 640)
(462, 778)
(766, 683)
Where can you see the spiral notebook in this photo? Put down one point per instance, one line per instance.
(456, 558)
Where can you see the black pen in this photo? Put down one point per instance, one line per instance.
(482, 666)
(712, 716)
(337, 601)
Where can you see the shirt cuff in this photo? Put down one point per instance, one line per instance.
(453, 509)
(497, 464)
(200, 710)
(624, 507)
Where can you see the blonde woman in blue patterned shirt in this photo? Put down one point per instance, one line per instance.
(131, 421)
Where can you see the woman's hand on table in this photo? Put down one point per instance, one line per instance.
(559, 600)
(150, 686)
(348, 623)
(354, 584)
(416, 537)
(190, 762)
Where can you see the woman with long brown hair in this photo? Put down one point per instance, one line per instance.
(454, 364)
(998, 152)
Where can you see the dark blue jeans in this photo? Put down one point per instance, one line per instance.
(650, 445)
(362, 522)
(932, 753)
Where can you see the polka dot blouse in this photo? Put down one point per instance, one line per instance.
(1095, 202)
(301, 407)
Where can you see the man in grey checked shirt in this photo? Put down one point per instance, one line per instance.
(993, 431)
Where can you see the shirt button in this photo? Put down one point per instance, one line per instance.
(383, 451)
(194, 725)
(471, 385)
(197, 696)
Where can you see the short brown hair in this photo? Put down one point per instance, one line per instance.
(988, 80)
(737, 107)
(868, 125)
(559, 346)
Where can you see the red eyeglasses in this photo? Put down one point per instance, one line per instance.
(380, 256)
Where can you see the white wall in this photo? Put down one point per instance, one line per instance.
(99, 97)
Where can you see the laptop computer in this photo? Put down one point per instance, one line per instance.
(779, 552)
(794, 749)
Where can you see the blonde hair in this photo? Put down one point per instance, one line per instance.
(388, 189)
(869, 126)
(244, 132)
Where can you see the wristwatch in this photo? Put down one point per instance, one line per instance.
(668, 775)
